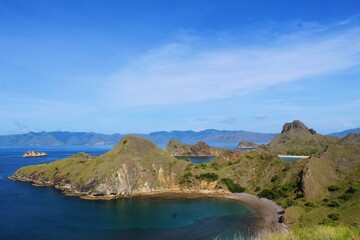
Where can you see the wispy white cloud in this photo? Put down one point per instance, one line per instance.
(227, 120)
(261, 116)
(183, 72)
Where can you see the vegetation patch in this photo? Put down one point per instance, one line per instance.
(186, 178)
(233, 187)
(208, 176)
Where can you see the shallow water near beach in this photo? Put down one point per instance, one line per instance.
(30, 212)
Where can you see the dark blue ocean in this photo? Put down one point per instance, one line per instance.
(29, 212)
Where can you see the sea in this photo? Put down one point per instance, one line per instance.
(30, 212)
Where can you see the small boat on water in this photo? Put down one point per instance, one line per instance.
(34, 154)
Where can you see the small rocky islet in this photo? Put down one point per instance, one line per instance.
(34, 154)
(310, 190)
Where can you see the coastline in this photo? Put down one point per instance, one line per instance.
(270, 213)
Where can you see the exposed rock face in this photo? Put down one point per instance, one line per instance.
(177, 148)
(134, 166)
(296, 124)
(246, 144)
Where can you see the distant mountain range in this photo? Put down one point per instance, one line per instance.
(60, 138)
(346, 132)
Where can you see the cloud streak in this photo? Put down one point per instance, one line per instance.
(226, 120)
(179, 73)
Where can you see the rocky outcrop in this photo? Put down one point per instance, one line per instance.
(297, 139)
(246, 144)
(201, 149)
(296, 125)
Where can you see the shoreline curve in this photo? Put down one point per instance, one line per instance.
(272, 215)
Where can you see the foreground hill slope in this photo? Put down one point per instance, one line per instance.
(134, 166)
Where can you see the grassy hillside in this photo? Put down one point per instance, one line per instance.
(135, 164)
(297, 139)
(311, 233)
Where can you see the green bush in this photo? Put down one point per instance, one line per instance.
(215, 166)
(333, 203)
(269, 193)
(257, 189)
(274, 178)
(334, 216)
(333, 188)
(185, 177)
(328, 222)
(233, 187)
(345, 196)
(203, 165)
(351, 190)
(208, 176)
(310, 203)
(289, 202)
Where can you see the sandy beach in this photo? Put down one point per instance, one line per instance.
(293, 156)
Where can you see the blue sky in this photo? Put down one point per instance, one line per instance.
(144, 66)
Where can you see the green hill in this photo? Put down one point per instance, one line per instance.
(297, 139)
(134, 166)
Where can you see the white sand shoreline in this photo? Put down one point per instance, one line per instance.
(293, 156)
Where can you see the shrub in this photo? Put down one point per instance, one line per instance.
(203, 165)
(333, 188)
(351, 190)
(310, 203)
(233, 187)
(274, 178)
(334, 216)
(345, 196)
(185, 177)
(269, 193)
(215, 166)
(289, 202)
(208, 176)
(257, 189)
(333, 203)
(327, 222)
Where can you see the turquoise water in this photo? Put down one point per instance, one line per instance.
(290, 159)
(198, 159)
(30, 212)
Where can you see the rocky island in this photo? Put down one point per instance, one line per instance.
(200, 149)
(310, 191)
(246, 144)
(34, 154)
